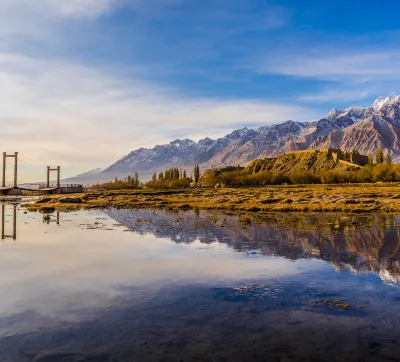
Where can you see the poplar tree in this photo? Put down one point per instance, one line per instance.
(196, 173)
(379, 156)
(388, 159)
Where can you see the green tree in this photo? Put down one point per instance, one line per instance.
(379, 156)
(329, 177)
(196, 172)
(389, 159)
(160, 176)
(154, 178)
(370, 160)
(184, 173)
(383, 173)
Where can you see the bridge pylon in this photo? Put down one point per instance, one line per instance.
(49, 169)
(15, 156)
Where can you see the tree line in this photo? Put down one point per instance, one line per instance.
(378, 169)
(130, 182)
(174, 178)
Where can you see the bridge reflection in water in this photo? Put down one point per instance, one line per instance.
(48, 218)
(4, 218)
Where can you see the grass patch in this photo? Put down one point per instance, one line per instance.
(311, 198)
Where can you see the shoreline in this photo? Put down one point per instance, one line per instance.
(348, 198)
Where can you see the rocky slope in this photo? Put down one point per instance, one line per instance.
(355, 128)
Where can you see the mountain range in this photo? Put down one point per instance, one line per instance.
(355, 128)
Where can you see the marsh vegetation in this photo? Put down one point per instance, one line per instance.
(358, 198)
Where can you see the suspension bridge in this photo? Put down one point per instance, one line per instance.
(17, 188)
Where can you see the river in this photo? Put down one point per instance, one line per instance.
(126, 285)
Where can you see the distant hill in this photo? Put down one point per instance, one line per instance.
(355, 128)
(295, 162)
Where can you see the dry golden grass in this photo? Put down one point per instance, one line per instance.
(357, 198)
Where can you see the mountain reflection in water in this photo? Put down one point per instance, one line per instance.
(144, 285)
(358, 243)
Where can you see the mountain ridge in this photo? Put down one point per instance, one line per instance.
(354, 128)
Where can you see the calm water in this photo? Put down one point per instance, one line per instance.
(195, 286)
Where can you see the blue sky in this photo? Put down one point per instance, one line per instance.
(86, 81)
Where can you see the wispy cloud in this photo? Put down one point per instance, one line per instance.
(337, 65)
(73, 114)
(343, 72)
(62, 8)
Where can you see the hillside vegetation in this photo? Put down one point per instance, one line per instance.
(307, 167)
(298, 162)
(302, 167)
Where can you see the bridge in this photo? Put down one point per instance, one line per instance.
(42, 188)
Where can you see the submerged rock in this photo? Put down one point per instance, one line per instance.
(185, 207)
(70, 200)
(47, 209)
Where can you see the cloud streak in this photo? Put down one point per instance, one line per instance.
(79, 116)
(337, 66)
(344, 73)
(62, 8)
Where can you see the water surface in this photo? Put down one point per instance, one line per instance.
(124, 285)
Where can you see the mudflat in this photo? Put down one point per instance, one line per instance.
(349, 198)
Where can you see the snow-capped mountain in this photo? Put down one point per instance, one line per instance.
(355, 128)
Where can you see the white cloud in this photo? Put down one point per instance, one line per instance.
(78, 8)
(67, 8)
(341, 94)
(78, 116)
(336, 65)
(345, 73)
(24, 21)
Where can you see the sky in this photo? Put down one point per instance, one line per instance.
(84, 82)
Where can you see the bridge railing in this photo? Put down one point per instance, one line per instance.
(61, 185)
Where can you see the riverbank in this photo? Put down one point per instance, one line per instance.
(349, 198)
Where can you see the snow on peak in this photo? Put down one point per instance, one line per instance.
(384, 101)
(354, 109)
(182, 143)
(356, 113)
(380, 102)
(333, 113)
(242, 131)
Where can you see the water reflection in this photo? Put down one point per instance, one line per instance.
(6, 218)
(357, 243)
(51, 218)
(156, 286)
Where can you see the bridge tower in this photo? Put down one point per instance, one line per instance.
(15, 156)
(58, 169)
